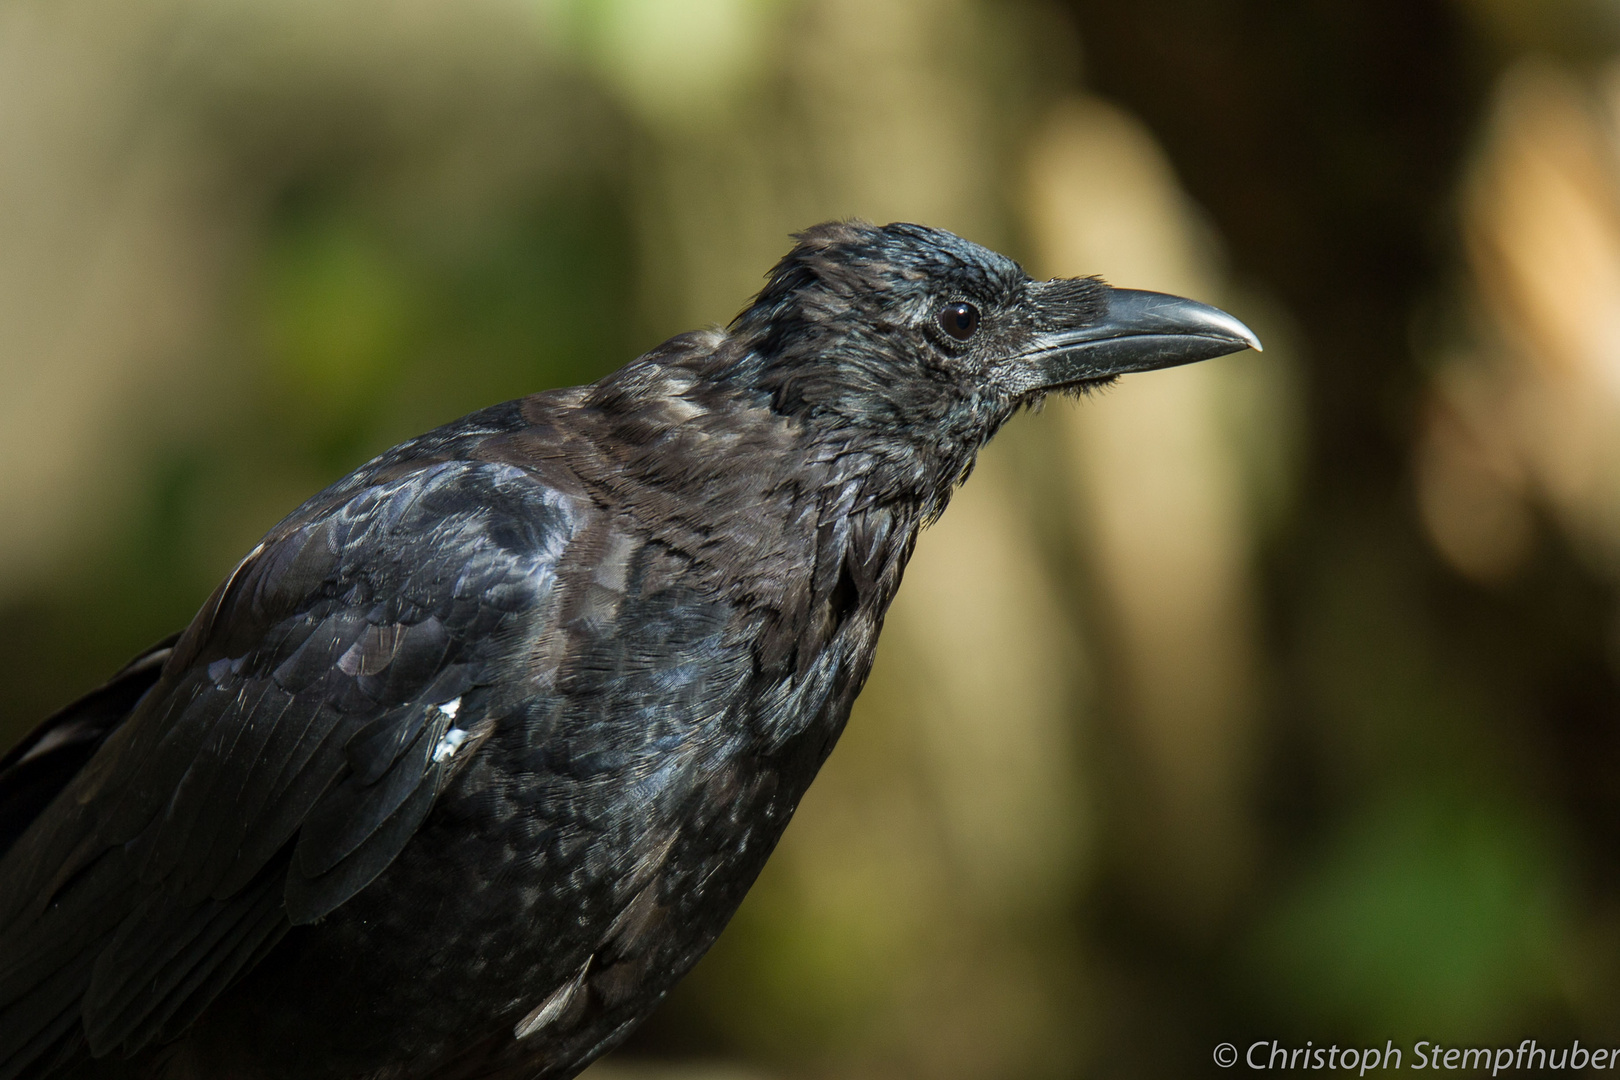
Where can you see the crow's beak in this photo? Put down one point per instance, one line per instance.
(1139, 332)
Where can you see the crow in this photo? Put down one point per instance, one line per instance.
(473, 756)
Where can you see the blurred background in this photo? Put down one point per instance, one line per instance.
(1275, 697)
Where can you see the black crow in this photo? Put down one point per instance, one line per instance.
(473, 756)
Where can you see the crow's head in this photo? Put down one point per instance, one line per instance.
(918, 335)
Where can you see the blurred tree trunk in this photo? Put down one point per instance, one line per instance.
(1325, 139)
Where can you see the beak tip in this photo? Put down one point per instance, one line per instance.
(1235, 328)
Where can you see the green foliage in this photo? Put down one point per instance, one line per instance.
(1428, 917)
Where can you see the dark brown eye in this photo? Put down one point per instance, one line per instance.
(959, 320)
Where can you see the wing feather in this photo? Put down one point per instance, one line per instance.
(310, 897)
(39, 1023)
(37, 768)
(280, 763)
(160, 955)
(353, 809)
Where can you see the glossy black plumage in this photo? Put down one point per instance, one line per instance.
(474, 755)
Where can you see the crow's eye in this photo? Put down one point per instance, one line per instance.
(959, 320)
